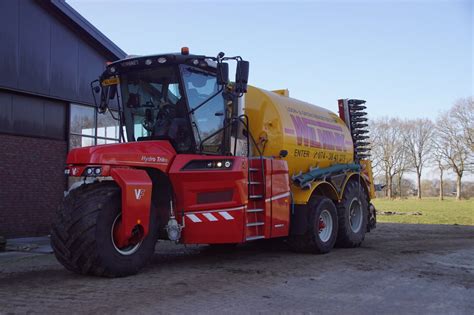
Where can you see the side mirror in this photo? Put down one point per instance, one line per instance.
(222, 73)
(95, 89)
(241, 76)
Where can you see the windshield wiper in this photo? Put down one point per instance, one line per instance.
(210, 98)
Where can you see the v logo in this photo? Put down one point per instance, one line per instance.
(139, 193)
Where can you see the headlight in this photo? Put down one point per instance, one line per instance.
(92, 171)
(208, 164)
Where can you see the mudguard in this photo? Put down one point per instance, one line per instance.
(136, 189)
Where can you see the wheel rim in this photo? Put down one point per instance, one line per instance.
(127, 250)
(325, 225)
(355, 215)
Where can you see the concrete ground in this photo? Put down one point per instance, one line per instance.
(400, 269)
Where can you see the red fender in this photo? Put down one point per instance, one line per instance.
(136, 189)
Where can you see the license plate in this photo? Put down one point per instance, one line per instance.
(111, 81)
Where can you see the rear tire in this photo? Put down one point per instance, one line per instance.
(353, 215)
(82, 238)
(321, 232)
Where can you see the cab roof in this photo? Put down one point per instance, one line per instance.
(130, 63)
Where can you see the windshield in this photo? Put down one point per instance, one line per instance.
(209, 118)
(154, 107)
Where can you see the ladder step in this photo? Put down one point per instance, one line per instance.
(255, 224)
(255, 183)
(255, 196)
(254, 210)
(257, 237)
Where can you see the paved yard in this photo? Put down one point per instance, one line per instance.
(425, 269)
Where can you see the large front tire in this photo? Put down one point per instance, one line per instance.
(82, 235)
(353, 215)
(321, 232)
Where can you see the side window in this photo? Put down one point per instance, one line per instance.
(82, 126)
(173, 93)
(209, 118)
(107, 128)
(89, 128)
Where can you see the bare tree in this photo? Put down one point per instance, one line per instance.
(454, 144)
(439, 159)
(387, 149)
(418, 142)
(463, 113)
(402, 164)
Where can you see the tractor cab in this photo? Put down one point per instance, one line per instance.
(182, 98)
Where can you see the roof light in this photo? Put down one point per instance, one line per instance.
(184, 51)
(161, 60)
(148, 62)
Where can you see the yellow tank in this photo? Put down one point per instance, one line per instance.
(312, 135)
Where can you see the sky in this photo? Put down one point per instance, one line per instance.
(406, 58)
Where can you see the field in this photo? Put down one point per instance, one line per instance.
(426, 211)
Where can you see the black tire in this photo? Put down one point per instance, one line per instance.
(81, 236)
(352, 233)
(311, 241)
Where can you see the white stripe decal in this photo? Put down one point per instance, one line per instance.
(226, 215)
(210, 217)
(278, 197)
(212, 211)
(193, 218)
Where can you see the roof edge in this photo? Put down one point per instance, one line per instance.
(87, 27)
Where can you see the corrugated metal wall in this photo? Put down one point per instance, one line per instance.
(32, 116)
(46, 63)
(39, 54)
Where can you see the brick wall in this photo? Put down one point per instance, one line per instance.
(32, 183)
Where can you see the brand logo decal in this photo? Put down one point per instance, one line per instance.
(154, 159)
(309, 133)
(139, 193)
(129, 63)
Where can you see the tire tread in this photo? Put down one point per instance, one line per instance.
(343, 238)
(73, 232)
